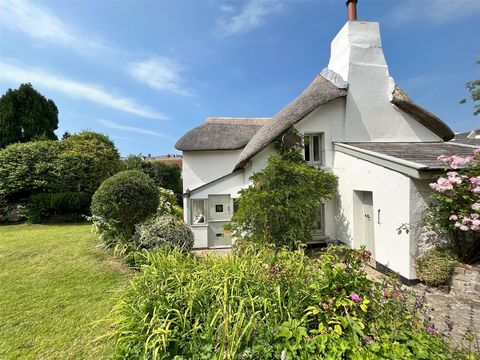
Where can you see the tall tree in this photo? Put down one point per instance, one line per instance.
(473, 88)
(25, 114)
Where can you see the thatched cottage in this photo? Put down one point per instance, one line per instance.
(356, 122)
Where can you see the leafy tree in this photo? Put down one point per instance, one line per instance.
(78, 163)
(121, 202)
(280, 207)
(25, 114)
(167, 176)
(99, 149)
(473, 88)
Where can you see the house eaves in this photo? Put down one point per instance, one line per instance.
(409, 168)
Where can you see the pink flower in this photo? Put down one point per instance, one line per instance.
(476, 206)
(431, 329)
(452, 173)
(464, 227)
(355, 298)
(475, 180)
(453, 217)
(458, 161)
(386, 293)
(476, 190)
(476, 152)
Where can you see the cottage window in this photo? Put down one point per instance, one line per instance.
(313, 148)
(198, 211)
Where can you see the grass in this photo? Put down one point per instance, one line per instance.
(55, 283)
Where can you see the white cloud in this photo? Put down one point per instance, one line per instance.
(433, 11)
(89, 92)
(113, 125)
(159, 73)
(39, 23)
(250, 16)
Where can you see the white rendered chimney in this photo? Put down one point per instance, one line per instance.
(357, 56)
(357, 43)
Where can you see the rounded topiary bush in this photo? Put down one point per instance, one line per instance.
(121, 202)
(436, 266)
(164, 231)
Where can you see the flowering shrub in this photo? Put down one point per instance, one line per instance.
(436, 266)
(266, 304)
(163, 231)
(456, 208)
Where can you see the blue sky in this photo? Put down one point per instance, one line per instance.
(145, 72)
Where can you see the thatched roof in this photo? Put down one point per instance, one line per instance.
(422, 115)
(319, 92)
(221, 133)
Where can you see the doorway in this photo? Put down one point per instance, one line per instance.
(219, 214)
(363, 230)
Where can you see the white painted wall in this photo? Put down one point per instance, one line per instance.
(201, 167)
(200, 232)
(329, 120)
(231, 185)
(258, 162)
(357, 55)
(390, 195)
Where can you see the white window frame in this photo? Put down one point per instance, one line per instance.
(310, 136)
(321, 231)
(192, 215)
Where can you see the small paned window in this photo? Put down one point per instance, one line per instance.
(313, 148)
(198, 211)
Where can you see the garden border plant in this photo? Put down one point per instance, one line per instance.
(455, 209)
(269, 304)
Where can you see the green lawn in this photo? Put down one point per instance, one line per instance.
(55, 281)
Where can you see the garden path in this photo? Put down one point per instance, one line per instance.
(450, 313)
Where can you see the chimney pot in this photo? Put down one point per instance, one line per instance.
(352, 10)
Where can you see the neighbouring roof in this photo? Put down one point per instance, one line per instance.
(319, 92)
(422, 115)
(468, 137)
(423, 154)
(221, 133)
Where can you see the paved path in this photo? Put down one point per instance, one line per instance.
(453, 314)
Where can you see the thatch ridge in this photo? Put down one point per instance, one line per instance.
(422, 115)
(221, 133)
(319, 92)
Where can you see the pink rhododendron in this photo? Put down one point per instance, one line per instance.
(456, 204)
(475, 180)
(355, 298)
